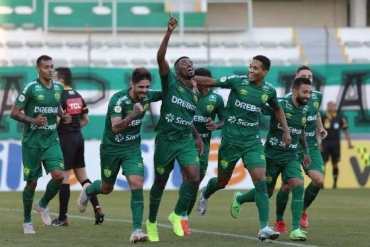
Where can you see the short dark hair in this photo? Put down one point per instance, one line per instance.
(300, 81)
(178, 60)
(266, 63)
(203, 72)
(303, 67)
(42, 58)
(139, 74)
(66, 74)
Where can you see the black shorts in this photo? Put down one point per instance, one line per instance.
(73, 148)
(331, 149)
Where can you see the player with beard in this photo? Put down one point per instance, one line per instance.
(175, 137)
(120, 147)
(241, 137)
(316, 169)
(282, 160)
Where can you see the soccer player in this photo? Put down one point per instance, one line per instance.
(282, 160)
(330, 147)
(316, 168)
(38, 106)
(209, 106)
(175, 137)
(73, 147)
(120, 147)
(241, 137)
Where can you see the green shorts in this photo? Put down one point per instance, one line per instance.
(130, 162)
(203, 160)
(287, 169)
(317, 163)
(229, 154)
(33, 159)
(166, 151)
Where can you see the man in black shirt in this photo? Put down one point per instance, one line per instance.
(333, 122)
(72, 144)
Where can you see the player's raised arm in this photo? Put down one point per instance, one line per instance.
(161, 54)
(205, 81)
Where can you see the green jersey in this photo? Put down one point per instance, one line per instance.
(177, 110)
(208, 106)
(35, 99)
(244, 108)
(296, 119)
(121, 105)
(313, 104)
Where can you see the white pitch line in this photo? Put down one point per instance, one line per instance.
(169, 227)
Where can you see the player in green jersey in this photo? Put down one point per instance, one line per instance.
(282, 160)
(316, 169)
(38, 106)
(120, 147)
(209, 106)
(175, 137)
(241, 137)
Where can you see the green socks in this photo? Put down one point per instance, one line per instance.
(210, 188)
(52, 189)
(297, 205)
(281, 202)
(187, 192)
(137, 208)
(27, 197)
(262, 202)
(94, 188)
(155, 200)
(250, 196)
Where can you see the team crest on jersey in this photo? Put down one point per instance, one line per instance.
(212, 98)
(210, 107)
(146, 106)
(304, 120)
(117, 109)
(160, 170)
(40, 97)
(288, 115)
(107, 173)
(316, 104)
(195, 99)
(57, 96)
(181, 89)
(21, 98)
(224, 163)
(264, 97)
(26, 170)
(243, 92)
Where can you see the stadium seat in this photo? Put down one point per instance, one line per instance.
(95, 44)
(19, 62)
(200, 62)
(133, 44)
(119, 62)
(99, 63)
(113, 44)
(230, 44)
(292, 61)
(237, 61)
(79, 62)
(34, 44)
(367, 43)
(75, 44)
(54, 44)
(249, 44)
(9, 26)
(29, 26)
(14, 44)
(218, 62)
(192, 44)
(60, 63)
(269, 44)
(353, 44)
(288, 44)
(361, 61)
(212, 44)
(152, 44)
(139, 62)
